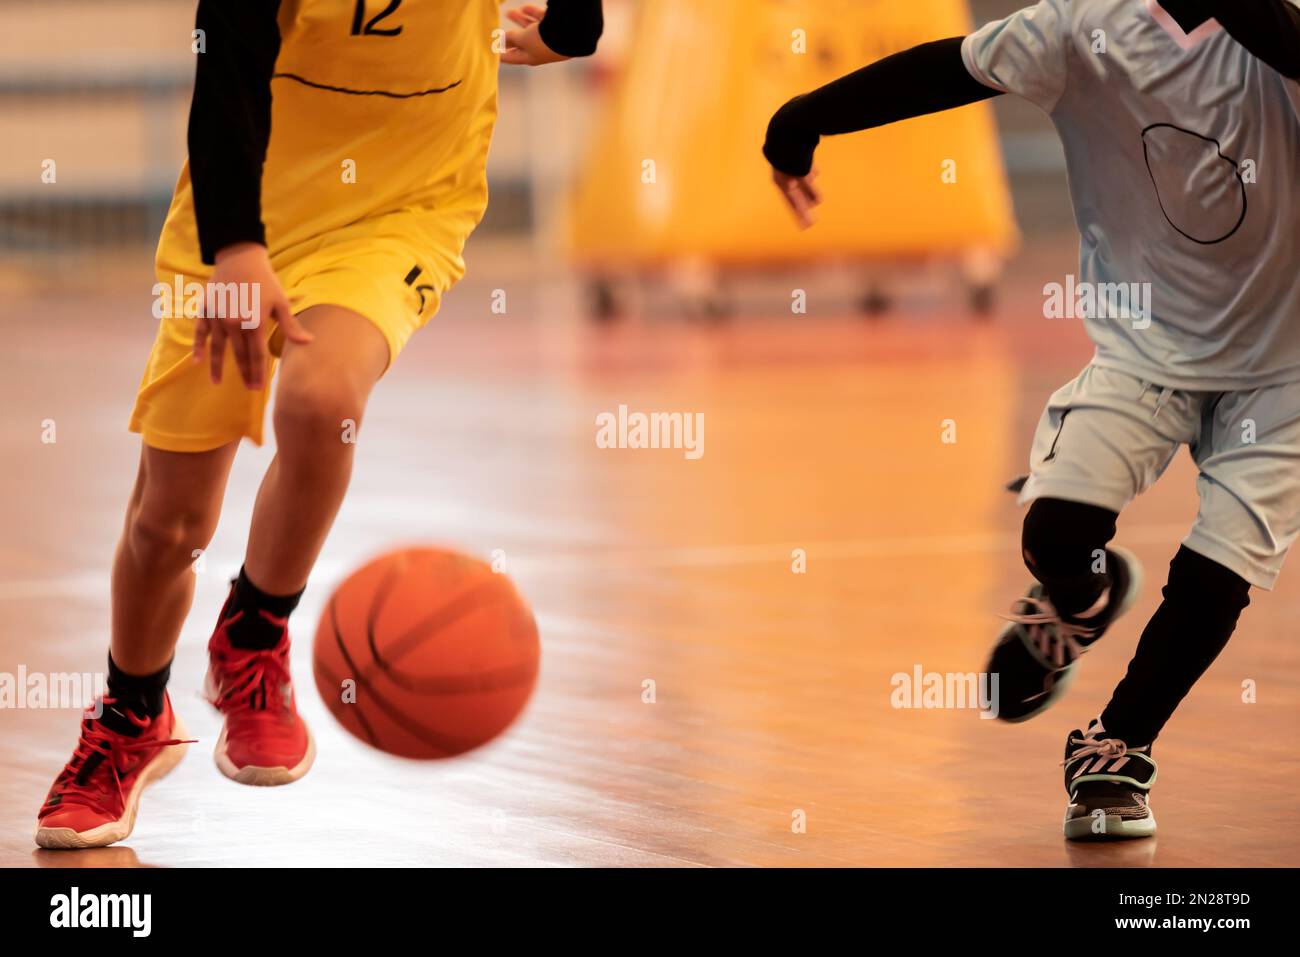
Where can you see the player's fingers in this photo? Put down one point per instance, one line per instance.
(256, 346)
(522, 16)
(800, 194)
(239, 345)
(201, 329)
(534, 11)
(216, 352)
(516, 40)
(809, 184)
(293, 329)
(809, 191)
(801, 207)
(518, 57)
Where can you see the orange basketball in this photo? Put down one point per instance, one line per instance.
(426, 653)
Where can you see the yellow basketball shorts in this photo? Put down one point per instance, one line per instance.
(392, 270)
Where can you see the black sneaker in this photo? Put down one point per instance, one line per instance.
(1109, 785)
(1036, 652)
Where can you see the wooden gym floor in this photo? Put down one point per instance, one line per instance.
(771, 689)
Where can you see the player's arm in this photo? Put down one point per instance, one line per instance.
(230, 119)
(925, 79)
(561, 30)
(1269, 29)
(229, 130)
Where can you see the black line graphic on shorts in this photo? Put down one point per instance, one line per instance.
(1218, 148)
(1051, 454)
(422, 289)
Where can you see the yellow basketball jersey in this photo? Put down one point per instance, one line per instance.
(378, 107)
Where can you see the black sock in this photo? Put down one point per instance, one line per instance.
(1202, 603)
(1062, 543)
(253, 630)
(141, 694)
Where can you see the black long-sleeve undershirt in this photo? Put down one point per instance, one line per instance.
(230, 119)
(230, 115)
(933, 77)
(926, 79)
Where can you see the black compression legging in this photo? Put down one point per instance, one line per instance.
(1202, 602)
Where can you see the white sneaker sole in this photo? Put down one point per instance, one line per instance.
(59, 838)
(263, 777)
(1136, 579)
(1116, 828)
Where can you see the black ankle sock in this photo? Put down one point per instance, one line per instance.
(1192, 625)
(141, 694)
(252, 630)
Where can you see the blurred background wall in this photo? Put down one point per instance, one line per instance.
(101, 89)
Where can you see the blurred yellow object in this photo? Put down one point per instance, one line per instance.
(676, 169)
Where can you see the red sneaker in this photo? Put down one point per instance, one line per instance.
(94, 800)
(264, 741)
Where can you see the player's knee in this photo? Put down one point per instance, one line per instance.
(1060, 536)
(317, 405)
(163, 535)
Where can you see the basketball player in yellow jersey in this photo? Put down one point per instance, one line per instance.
(337, 164)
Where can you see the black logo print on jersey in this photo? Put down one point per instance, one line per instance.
(1200, 191)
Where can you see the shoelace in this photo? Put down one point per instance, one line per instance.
(1105, 749)
(1166, 393)
(1051, 635)
(1096, 747)
(245, 673)
(101, 792)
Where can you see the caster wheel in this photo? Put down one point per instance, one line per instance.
(875, 303)
(710, 308)
(983, 300)
(605, 304)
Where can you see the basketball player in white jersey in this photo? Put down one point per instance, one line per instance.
(1180, 121)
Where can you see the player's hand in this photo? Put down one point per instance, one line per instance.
(248, 266)
(800, 194)
(525, 46)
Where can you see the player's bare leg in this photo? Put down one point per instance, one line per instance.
(319, 405)
(136, 738)
(172, 515)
